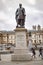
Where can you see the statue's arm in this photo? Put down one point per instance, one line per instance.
(16, 13)
(23, 11)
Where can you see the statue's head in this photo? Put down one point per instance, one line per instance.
(20, 5)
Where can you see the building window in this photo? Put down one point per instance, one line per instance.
(39, 36)
(34, 41)
(29, 34)
(40, 41)
(10, 37)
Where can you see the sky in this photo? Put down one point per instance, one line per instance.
(33, 8)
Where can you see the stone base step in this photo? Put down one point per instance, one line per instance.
(21, 57)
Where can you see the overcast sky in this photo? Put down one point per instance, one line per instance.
(33, 8)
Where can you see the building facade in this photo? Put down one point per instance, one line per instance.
(36, 36)
(7, 37)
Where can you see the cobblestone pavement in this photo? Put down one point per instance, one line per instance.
(35, 61)
(22, 63)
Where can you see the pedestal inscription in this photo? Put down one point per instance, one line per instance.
(20, 40)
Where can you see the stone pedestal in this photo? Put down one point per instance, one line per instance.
(21, 52)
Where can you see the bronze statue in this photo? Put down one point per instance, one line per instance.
(20, 16)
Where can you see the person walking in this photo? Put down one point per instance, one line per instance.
(40, 52)
(34, 53)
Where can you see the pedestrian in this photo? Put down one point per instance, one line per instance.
(40, 52)
(33, 52)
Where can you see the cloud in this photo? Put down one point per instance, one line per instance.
(6, 22)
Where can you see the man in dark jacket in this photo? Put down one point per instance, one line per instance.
(40, 51)
(33, 51)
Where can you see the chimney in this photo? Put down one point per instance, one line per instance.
(34, 27)
(38, 27)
